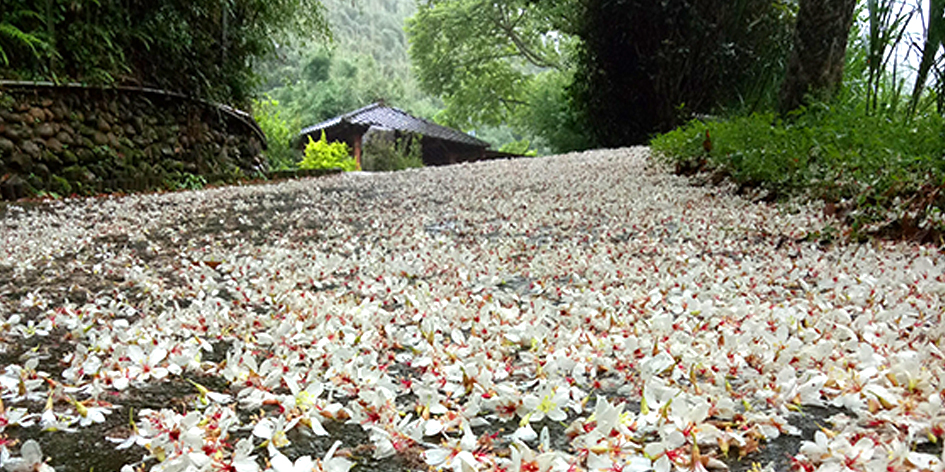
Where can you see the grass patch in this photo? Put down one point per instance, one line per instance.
(884, 176)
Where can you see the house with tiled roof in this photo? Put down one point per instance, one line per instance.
(441, 145)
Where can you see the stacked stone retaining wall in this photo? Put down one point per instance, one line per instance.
(72, 139)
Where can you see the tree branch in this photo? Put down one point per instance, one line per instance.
(513, 101)
(524, 49)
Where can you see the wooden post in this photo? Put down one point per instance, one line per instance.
(357, 150)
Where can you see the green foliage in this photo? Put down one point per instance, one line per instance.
(280, 134)
(759, 149)
(322, 155)
(374, 28)
(59, 186)
(480, 57)
(498, 136)
(875, 90)
(184, 181)
(875, 79)
(873, 159)
(203, 48)
(14, 42)
(519, 147)
(887, 24)
(385, 153)
(328, 83)
(872, 166)
(551, 117)
(497, 64)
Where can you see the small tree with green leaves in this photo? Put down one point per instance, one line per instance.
(324, 155)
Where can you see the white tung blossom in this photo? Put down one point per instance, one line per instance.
(514, 298)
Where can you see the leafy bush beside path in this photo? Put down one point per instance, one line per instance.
(883, 176)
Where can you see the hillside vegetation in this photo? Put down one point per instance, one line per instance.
(366, 61)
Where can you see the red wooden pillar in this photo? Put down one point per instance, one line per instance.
(357, 150)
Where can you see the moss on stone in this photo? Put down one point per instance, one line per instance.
(59, 185)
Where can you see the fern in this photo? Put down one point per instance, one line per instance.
(30, 41)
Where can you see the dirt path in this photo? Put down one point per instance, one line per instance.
(445, 316)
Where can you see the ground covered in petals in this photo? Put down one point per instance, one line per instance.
(580, 312)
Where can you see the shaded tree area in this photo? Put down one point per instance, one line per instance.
(846, 132)
(585, 73)
(644, 67)
(203, 48)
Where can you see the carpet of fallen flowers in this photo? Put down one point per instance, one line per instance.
(585, 312)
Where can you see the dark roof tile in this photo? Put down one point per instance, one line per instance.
(378, 114)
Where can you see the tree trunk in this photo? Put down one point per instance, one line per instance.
(820, 44)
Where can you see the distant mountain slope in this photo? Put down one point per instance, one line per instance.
(375, 28)
(366, 62)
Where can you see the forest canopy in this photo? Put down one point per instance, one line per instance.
(200, 47)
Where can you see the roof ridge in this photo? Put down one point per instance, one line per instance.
(361, 110)
(429, 122)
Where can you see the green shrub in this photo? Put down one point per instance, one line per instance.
(873, 166)
(757, 149)
(279, 134)
(383, 153)
(322, 155)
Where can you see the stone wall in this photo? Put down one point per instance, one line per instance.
(71, 139)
